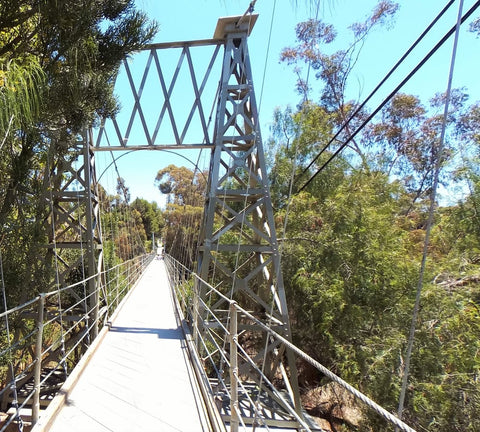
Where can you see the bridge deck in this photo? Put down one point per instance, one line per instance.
(139, 378)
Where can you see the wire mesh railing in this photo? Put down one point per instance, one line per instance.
(245, 394)
(44, 338)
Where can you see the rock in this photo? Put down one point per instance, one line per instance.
(333, 403)
(324, 424)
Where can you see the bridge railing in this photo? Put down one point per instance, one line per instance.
(220, 339)
(43, 339)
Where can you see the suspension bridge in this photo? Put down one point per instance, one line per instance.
(156, 345)
(144, 370)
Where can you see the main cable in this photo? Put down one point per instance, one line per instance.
(272, 20)
(395, 91)
(386, 77)
(249, 11)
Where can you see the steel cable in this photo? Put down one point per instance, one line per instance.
(390, 96)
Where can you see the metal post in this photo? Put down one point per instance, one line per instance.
(92, 267)
(234, 418)
(196, 316)
(38, 360)
(128, 276)
(116, 287)
(176, 275)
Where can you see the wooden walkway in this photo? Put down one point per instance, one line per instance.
(139, 378)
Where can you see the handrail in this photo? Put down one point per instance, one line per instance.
(56, 336)
(62, 349)
(231, 334)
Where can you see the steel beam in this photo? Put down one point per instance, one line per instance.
(75, 239)
(238, 245)
(162, 117)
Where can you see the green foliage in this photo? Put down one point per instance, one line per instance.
(350, 276)
(151, 215)
(349, 272)
(180, 234)
(185, 198)
(124, 230)
(58, 62)
(21, 85)
(297, 139)
(185, 293)
(354, 238)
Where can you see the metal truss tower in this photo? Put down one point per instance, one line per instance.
(238, 250)
(75, 236)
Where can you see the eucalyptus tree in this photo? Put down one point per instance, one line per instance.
(354, 237)
(332, 69)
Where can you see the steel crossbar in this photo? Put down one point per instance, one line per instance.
(183, 88)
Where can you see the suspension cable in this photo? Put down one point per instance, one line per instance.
(439, 157)
(389, 97)
(249, 11)
(272, 20)
(129, 217)
(200, 153)
(114, 234)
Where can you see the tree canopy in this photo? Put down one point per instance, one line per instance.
(353, 244)
(58, 63)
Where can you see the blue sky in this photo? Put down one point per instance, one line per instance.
(196, 19)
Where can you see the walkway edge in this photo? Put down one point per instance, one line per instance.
(48, 416)
(216, 422)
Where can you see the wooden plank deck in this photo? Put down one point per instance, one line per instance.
(139, 378)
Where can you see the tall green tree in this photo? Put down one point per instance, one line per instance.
(58, 63)
(354, 238)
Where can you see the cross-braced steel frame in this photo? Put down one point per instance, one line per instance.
(238, 241)
(75, 237)
(238, 250)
